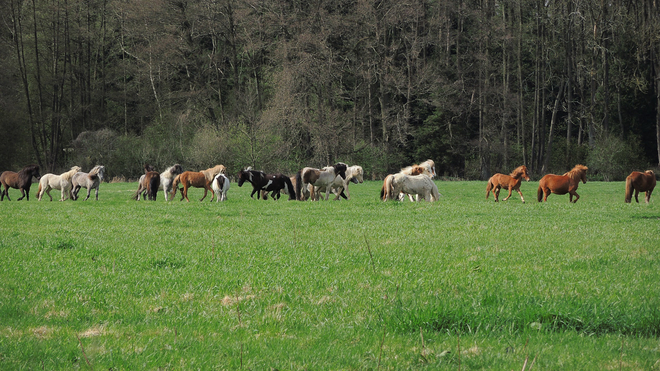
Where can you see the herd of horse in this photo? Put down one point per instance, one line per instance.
(415, 182)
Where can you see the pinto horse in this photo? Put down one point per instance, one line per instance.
(91, 180)
(562, 184)
(640, 182)
(263, 183)
(220, 185)
(318, 178)
(192, 179)
(510, 182)
(386, 189)
(61, 182)
(21, 181)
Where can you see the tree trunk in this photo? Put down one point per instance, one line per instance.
(548, 152)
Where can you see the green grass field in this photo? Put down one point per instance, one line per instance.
(463, 283)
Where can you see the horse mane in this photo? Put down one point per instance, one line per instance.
(96, 172)
(519, 171)
(576, 172)
(27, 172)
(650, 172)
(69, 174)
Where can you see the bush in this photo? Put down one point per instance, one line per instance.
(612, 158)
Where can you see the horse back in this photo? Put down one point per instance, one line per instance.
(557, 184)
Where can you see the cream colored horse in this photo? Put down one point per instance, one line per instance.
(414, 185)
(386, 191)
(61, 182)
(210, 173)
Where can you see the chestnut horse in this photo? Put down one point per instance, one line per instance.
(510, 182)
(563, 184)
(143, 184)
(21, 181)
(640, 182)
(192, 179)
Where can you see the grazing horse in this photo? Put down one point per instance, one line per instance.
(386, 189)
(263, 183)
(61, 182)
(317, 178)
(414, 185)
(640, 182)
(510, 182)
(21, 181)
(220, 186)
(563, 184)
(192, 179)
(143, 183)
(167, 177)
(91, 180)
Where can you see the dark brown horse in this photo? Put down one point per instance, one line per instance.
(563, 184)
(640, 182)
(21, 181)
(510, 182)
(192, 179)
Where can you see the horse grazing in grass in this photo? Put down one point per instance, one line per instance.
(510, 182)
(143, 184)
(386, 189)
(220, 186)
(91, 180)
(563, 184)
(640, 182)
(415, 185)
(317, 178)
(195, 179)
(21, 181)
(263, 183)
(167, 177)
(61, 182)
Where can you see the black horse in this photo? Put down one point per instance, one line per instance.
(21, 180)
(266, 182)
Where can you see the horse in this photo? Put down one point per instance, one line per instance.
(220, 186)
(414, 185)
(263, 183)
(430, 166)
(61, 182)
(386, 189)
(317, 178)
(195, 179)
(510, 182)
(89, 180)
(562, 184)
(21, 181)
(210, 173)
(167, 177)
(143, 183)
(354, 174)
(640, 182)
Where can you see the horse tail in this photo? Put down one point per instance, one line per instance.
(290, 188)
(154, 182)
(39, 190)
(298, 190)
(386, 190)
(539, 193)
(489, 187)
(629, 188)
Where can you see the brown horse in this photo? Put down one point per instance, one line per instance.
(21, 181)
(640, 182)
(386, 189)
(144, 188)
(563, 184)
(192, 179)
(510, 182)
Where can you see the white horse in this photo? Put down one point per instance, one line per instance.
(386, 190)
(318, 178)
(220, 186)
(414, 185)
(91, 180)
(354, 174)
(167, 177)
(61, 182)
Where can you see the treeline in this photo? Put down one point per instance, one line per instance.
(478, 86)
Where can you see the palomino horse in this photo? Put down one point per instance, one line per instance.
(21, 181)
(386, 189)
(562, 184)
(640, 182)
(147, 184)
(317, 178)
(220, 186)
(210, 173)
(414, 185)
(91, 180)
(61, 182)
(167, 177)
(192, 179)
(263, 183)
(510, 182)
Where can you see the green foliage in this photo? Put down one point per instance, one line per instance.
(612, 158)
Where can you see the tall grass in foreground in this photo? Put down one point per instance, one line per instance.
(356, 284)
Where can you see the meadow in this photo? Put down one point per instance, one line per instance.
(461, 284)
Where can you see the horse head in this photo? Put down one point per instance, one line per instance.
(32, 171)
(583, 173)
(520, 171)
(243, 175)
(176, 169)
(357, 173)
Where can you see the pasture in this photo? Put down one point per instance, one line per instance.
(464, 283)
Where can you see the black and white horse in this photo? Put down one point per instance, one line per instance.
(266, 182)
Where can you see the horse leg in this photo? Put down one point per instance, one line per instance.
(636, 194)
(521, 196)
(577, 196)
(184, 193)
(89, 192)
(496, 193)
(48, 193)
(648, 196)
(206, 189)
(507, 197)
